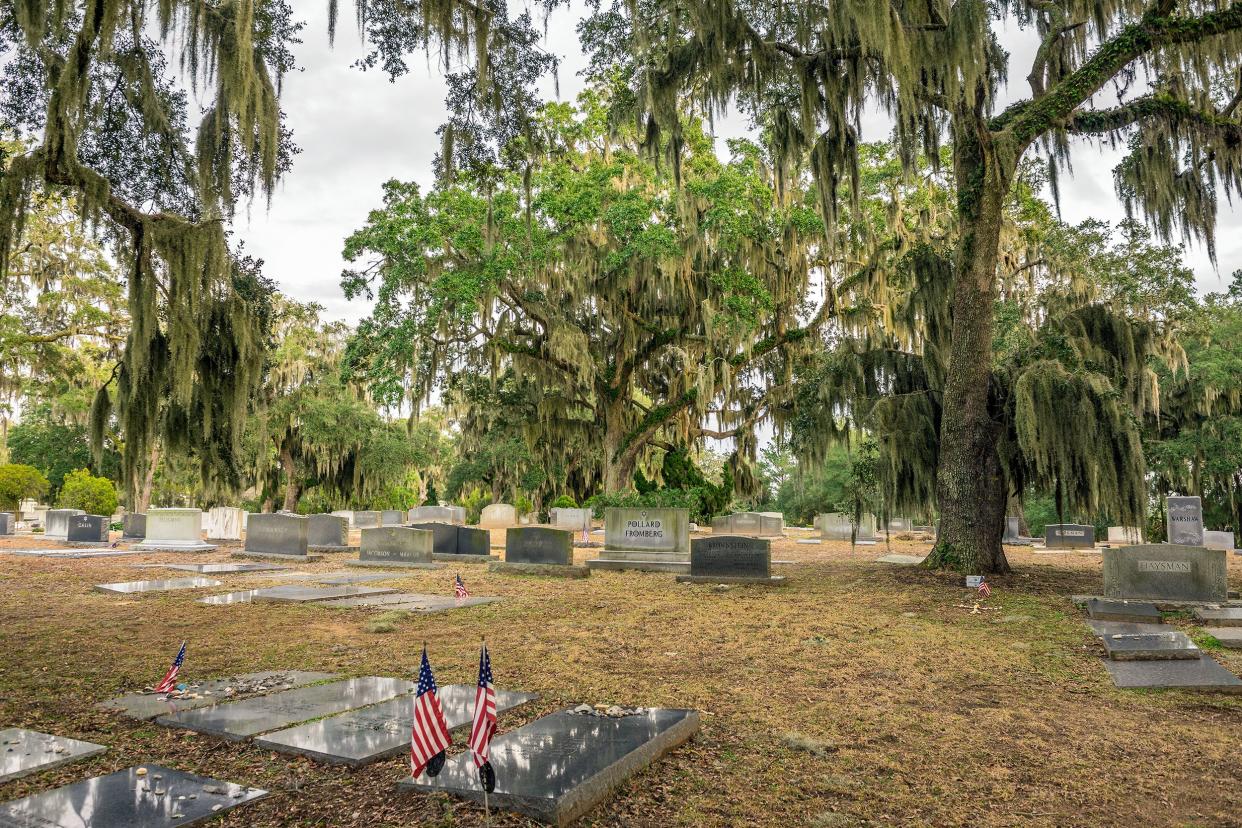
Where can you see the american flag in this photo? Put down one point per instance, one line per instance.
(459, 588)
(985, 591)
(169, 682)
(430, 734)
(484, 711)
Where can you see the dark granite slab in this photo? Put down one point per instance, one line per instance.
(244, 596)
(24, 752)
(149, 705)
(360, 578)
(225, 568)
(126, 799)
(72, 553)
(1229, 637)
(294, 594)
(1141, 612)
(241, 719)
(1150, 646)
(1223, 617)
(134, 587)
(558, 767)
(372, 733)
(408, 602)
(539, 545)
(1102, 628)
(87, 529)
(1203, 675)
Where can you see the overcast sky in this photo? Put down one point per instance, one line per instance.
(357, 130)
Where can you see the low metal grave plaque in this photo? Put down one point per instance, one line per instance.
(23, 752)
(242, 719)
(1168, 572)
(149, 796)
(559, 767)
(134, 587)
(369, 734)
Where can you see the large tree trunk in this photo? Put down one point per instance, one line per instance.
(970, 485)
(148, 479)
(293, 486)
(619, 459)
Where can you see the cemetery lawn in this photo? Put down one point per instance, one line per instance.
(858, 694)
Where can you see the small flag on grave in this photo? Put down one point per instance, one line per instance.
(169, 682)
(484, 722)
(985, 591)
(459, 588)
(429, 736)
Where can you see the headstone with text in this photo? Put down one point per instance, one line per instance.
(366, 520)
(398, 546)
(91, 529)
(1166, 572)
(279, 535)
(731, 559)
(327, 533)
(428, 514)
(1184, 516)
(1069, 536)
(175, 530)
(650, 539)
(392, 517)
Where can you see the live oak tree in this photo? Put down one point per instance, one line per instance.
(1159, 76)
(647, 312)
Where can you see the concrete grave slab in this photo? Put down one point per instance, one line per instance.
(158, 797)
(1149, 646)
(1142, 612)
(244, 596)
(1223, 617)
(1229, 637)
(146, 706)
(1202, 675)
(559, 767)
(369, 734)
(222, 568)
(136, 587)
(901, 560)
(295, 594)
(70, 553)
(1103, 628)
(408, 602)
(347, 578)
(23, 752)
(241, 719)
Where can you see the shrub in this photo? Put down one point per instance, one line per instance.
(93, 495)
(18, 482)
(564, 502)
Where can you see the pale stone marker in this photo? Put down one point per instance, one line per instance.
(748, 523)
(175, 530)
(1129, 535)
(498, 515)
(1184, 516)
(391, 517)
(834, 526)
(6, 523)
(430, 514)
(223, 524)
(654, 540)
(1168, 572)
(572, 520)
(1218, 540)
(57, 525)
(366, 520)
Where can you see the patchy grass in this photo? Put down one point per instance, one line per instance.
(859, 694)
(386, 622)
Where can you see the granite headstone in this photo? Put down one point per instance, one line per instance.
(1166, 572)
(1184, 516)
(327, 533)
(57, 523)
(396, 546)
(1069, 536)
(87, 529)
(134, 526)
(731, 559)
(539, 545)
(279, 534)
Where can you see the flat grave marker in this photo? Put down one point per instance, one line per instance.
(244, 596)
(222, 568)
(347, 578)
(408, 602)
(1150, 646)
(1140, 612)
(239, 720)
(396, 546)
(167, 585)
(731, 559)
(296, 594)
(1202, 674)
(1103, 628)
(146, 706)
(370, 734)
(1184, 520)
(23, 752)
(901, 560)
(559, 767)
(1229, 637)
(1223, 617)
(159, 797)
(1168, 572)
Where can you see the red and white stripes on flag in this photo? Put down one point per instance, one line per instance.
(484, 711)
(429, 735)
(169, 682)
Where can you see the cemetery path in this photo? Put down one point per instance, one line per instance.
(858, 694)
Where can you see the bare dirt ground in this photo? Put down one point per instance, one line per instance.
(859, 694)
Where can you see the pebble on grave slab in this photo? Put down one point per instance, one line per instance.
(147, 706)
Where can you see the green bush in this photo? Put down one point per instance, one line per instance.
(432, 499)
(523, 505)
(564, 502)
(18, 482)
(93, 495)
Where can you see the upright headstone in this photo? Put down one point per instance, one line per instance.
(277, 535)
(833, 526)
(1184, 520)
(396, 546)
(134, 527)
(748, 523)
(1012, 530)
(1124, 535)
(1218, 540)
(540, 550)
(474, 542)
(443, 536)
(1069, 536)
(392, 517)
(428, 514)
(1166, 572)
(498, 516)
(348, 515)
(327, 533)
(366, 520)
(571, 520)
(900, 524)
(6, 523)
(731, 559)
(223, 524)
(175, 530)
(655, 540)
(57, 525)
(89, 529)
